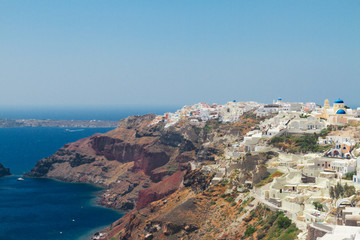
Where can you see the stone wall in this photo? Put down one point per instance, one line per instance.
(316, 230)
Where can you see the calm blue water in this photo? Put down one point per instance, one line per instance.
(42, 208)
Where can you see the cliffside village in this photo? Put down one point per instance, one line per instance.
(317, 190)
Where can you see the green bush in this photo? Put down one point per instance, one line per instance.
(291, 229)
(325, 132)
(288, 236)
(207, 128)
(224, 182)
(284, 222)
(304, 116)
(318, 206)
(229, 199)
(250, 230)
(349, 176)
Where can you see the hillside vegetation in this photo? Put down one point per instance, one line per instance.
(298, 144)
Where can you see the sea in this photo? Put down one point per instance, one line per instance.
(46, 209)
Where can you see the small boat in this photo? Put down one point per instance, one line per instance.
(20, 179)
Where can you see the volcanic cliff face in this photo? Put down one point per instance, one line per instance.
(139, 157)
(4, 171)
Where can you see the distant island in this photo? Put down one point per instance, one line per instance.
(12, 123)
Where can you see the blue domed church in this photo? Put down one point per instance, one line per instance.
(338, 114)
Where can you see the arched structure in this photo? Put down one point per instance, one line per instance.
(341, 204)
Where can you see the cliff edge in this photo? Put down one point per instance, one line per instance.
(130, 160)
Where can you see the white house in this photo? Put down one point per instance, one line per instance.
(308, 124)
(343, 166)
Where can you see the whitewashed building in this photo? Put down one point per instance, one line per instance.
(306, 124)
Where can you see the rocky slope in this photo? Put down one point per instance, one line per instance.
(142, 165)
(202, 212)
(135, 156)
(4, 171)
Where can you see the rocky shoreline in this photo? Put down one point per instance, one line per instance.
(125, 161)
(4, 171)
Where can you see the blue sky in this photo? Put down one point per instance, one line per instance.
(115, 53)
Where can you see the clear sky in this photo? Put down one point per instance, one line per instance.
(95, 53)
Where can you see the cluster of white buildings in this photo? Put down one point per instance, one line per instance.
(307, 178)
(337, 114)
(202, 112)
(282, 123)
(295, 194)
(278, 106)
